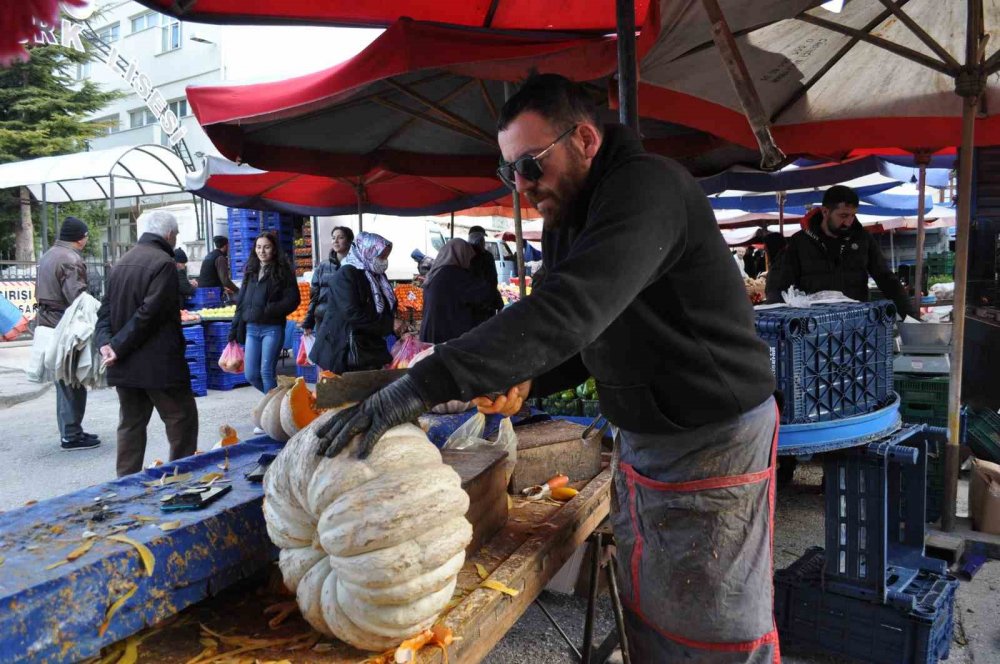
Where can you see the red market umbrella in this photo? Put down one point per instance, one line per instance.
(597, 16)
(383, 192)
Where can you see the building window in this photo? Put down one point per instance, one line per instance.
(170, 33)
(180, 107)
(140, 117)
(109, 34)
(109, 125)
(82, 71)
(144, 22)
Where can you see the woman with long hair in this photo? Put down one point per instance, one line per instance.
(360, 312)
(319, 290)
(268, 294)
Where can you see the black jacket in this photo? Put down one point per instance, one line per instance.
(453, 303)
(183, 285)
(266, 301)
(812, 263)
(319, 291)
(485, 268)
(141, 319)
(352, 335)
(668, 333)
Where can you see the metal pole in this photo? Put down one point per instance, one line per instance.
(781, 213)
(452, 226)
(112, 230)
(45, 222)
(892, 250)
(522, 287)
(361, 219)
(919, 267)
(963, 221)
(628, 72)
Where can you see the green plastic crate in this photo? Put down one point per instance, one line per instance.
(590, 407)
(984, 434)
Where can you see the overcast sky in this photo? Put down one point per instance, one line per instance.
(258, 53)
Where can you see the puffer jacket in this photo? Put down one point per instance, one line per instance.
(319, 291)
(62, 276)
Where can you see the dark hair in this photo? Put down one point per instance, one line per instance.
(554, 97)
(220, 241)
(345, 230)
(281, 268)
(838, 194)
(476, 229)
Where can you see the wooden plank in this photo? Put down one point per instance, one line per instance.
(549, 448)
(484, 479)
(525, 554)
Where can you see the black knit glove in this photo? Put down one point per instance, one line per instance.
(394, 404)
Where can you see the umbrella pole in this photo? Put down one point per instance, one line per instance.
(951, 459)
(519, 248)
(919, 267)
(628, 83)
(781, 213)
(361, 217)
(892, 249)
(452, 226)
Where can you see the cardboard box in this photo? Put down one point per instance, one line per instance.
(984, 496)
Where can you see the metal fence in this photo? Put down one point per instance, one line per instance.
(27, 271)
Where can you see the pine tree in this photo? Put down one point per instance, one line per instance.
(42, 113)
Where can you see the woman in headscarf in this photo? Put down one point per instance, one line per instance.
(360, 311)
(454, 297)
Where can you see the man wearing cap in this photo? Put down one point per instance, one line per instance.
(185, 284)
(484, 267)
(62, 277)
(215, 267)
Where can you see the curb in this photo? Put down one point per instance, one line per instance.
(6, 401)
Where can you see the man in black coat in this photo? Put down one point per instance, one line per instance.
(669, 336)
(835, 253)
(185, 285)
(215, 267)
(139, 333)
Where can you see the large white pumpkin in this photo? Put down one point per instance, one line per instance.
(372, 548)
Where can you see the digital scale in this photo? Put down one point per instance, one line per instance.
(925, 349)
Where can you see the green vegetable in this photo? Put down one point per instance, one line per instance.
(568, 395)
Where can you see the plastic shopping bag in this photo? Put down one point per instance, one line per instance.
(405, 350)
(231, 360)
(305, 347)
(469, 436)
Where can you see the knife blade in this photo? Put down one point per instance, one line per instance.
(353, 386)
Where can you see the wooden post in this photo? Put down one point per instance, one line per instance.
(970, 102)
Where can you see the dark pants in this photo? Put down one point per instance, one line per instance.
(71, 402)
(177, 409)
(693, 520)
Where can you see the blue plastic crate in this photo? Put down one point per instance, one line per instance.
(311, 374)
(218, 380)
(204, 297)
(810, 616)
(193, 333)
(830, 361)
(194, 352)
(875, 499)
(199, 390)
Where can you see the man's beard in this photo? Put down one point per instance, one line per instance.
(564, 195)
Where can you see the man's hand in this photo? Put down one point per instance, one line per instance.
(108, 355)
(506, 404)
(394, 404)
(193, 282)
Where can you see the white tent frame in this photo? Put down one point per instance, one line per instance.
(121, 172)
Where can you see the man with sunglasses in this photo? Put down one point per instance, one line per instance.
(668, 332)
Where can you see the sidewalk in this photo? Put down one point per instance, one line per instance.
(15, 388)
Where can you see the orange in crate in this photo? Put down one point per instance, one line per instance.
(409, 298)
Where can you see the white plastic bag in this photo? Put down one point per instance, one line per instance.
(469, 436)
(793, 297)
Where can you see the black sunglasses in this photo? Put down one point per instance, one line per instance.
(528, 167)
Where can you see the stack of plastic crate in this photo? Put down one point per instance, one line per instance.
(923, 399)
(216, 340)
(940, 264)
(194, 354)
(310, 373)
(204, 298)
(244, 228)
(831, 361)
(872, 594)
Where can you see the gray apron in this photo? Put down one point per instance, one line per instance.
(693, 521)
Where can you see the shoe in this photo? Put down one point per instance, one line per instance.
(258, 431)
(91, 436)
(80, 443)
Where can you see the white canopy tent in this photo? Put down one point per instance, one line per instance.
(121, 172)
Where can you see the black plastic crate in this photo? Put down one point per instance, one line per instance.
(830, 361)
(875, 498)
(984, 434)
(917, 630)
